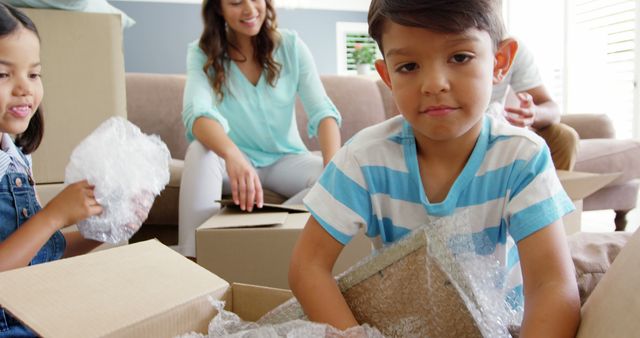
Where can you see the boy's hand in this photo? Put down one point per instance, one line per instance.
(246, 188)
(523, 116)
(73, 204)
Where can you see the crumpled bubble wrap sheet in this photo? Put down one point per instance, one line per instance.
(424, 286)
(228, 324)
(128, 169)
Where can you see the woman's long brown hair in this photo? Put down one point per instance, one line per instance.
(216, 46)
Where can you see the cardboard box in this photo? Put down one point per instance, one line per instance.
(255, 248)
(83, 78)
(612, 308)
(578, 186)
(140, 290)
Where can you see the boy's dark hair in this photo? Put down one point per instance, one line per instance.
(11, 19)
(447, 16)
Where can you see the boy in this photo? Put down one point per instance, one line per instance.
(442, 156)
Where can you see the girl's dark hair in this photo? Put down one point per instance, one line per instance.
(216, 46)
(11, 19)
(447, 16)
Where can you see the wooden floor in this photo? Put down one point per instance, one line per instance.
(602, 220)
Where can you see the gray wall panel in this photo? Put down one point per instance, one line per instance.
(157, 43)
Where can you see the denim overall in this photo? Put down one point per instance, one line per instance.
(17, 204)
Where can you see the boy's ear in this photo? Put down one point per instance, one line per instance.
(381, 67)
(504, 57)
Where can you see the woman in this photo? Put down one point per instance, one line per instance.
(242, 79)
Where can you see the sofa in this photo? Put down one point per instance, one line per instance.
(154, 103)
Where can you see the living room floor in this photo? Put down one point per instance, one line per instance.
(602, 220)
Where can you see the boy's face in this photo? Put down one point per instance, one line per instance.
(441, 82)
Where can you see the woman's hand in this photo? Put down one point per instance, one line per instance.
(73, 204)
(246, 188)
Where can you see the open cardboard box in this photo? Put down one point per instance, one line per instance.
(148, 290)
(255, 248)
(139, 290)
(579, 185)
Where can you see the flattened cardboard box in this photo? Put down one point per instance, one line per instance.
(578, 186)
(75, 45)
(255, 248)
(140, 290)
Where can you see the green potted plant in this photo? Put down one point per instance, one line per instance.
(363, 57)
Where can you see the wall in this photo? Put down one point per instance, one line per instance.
(157, 43)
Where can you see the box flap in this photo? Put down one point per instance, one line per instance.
(231, 216)
(112, 292)
(251, 302)
(266, 207)
(612, 308)
(236, 218)
(579, 185)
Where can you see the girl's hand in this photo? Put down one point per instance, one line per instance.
(142, 204)
(73, 204)
(246, 188)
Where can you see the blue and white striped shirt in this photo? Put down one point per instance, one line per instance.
(508, 188)
(12, 159)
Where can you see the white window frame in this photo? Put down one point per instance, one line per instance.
(342, 29)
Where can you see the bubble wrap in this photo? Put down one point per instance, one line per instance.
(228, 324)
(430, 284)
(128, 169)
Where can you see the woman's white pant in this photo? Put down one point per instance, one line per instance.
(204, 180)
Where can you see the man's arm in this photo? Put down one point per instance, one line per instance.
(552, 303)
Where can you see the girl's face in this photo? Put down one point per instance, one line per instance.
(20, 84)
(244, 17)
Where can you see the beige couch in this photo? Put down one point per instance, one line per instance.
(154, 103)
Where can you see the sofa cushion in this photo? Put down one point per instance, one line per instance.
(610, 156)
(358, 101)
(154, 103)
(592, 255)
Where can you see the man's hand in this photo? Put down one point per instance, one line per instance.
(523, 116)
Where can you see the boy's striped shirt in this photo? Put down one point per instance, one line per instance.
(508, 190)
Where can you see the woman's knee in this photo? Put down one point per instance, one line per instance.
(200, 156)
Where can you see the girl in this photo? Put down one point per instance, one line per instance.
(28, 234)
(242, 79)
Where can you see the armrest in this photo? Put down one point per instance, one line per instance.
(590, 125)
